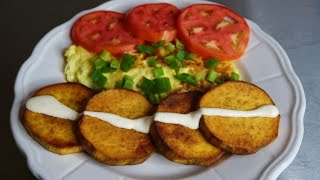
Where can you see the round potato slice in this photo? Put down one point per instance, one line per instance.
(238, 135)
(55, 134)
(110, 144)
(178, 143)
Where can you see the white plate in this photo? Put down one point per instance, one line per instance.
(265, 64)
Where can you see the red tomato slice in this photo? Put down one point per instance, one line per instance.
(153, 22)
(103, 30)
(211, 30)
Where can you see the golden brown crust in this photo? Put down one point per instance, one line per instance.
(178, 143)
(109, 144)
(79, 94)
(234, 134)
(55, 134)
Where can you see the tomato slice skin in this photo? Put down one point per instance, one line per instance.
(104, 30)
(153, 22)
(211, 30)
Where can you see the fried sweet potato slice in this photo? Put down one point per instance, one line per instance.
(238, 135)
(178, 143)
(55, 134)
(110, 144)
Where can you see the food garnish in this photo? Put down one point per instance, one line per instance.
(127, 62)
(211, 30)
(104, 30)
(212, 76)
(158, 71)
(187, 78)
(153, 22)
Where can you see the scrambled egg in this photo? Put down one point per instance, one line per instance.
(79, 67)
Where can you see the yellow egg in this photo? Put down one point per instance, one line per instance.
(79, 67)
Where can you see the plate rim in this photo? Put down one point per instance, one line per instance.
(272, 171)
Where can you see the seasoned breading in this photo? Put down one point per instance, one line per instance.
(110, 144)
(55, 134)
(235, 134)
(178, 143)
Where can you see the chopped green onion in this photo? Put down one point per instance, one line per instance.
(98, 78)
(212, 75)
(173, 63)
(115, 64)
(220, 80)
(147, 86)
(119, 84)
(153, 88)
(127, 77)
(158, 44)
(170, 58)
(187, 78)
(105, 55)
(158, 71)
(127, 62)
(170, 47)
(162, 84)
(127, 82)
(152, 61)
(99, 63)
(102, 80)
(146, 49)
(96, 75)
(179, 45)
(181, 54)
(201, 75)
(108, 69)
(154, 98)
(234, 76)
(191, 56)
(212, 63)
